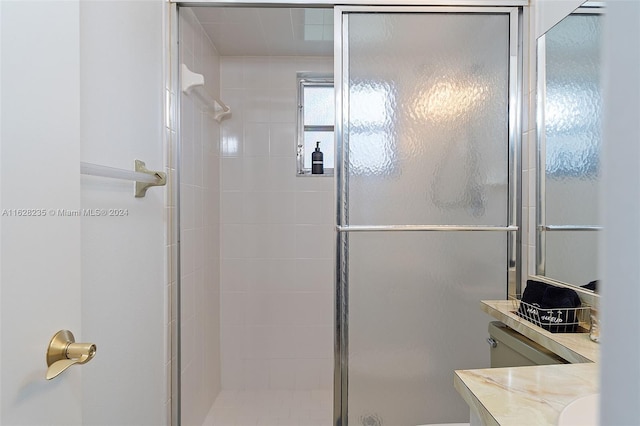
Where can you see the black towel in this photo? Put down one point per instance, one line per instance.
(550, 307)
(593, 285)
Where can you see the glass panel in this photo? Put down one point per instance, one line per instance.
(319, 106)
(573, 112)
(427, 129)
(326, 146)
(426, 142)
(414, 318)
(569, 256)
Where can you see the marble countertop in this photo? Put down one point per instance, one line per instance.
(531, 395)
(574, 347)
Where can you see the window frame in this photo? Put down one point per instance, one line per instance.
(304, 80)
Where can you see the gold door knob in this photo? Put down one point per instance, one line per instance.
(63, 352)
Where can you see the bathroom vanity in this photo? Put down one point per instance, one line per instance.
(533, 395)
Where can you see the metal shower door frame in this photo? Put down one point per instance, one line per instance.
(514, 217)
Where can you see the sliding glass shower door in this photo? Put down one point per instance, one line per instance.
(426, 181)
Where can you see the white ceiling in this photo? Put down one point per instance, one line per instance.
(248, 31)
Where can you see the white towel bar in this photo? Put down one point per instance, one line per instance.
(143, 178)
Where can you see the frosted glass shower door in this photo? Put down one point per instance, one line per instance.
(426, 157)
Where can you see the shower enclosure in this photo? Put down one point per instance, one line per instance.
(426, 184)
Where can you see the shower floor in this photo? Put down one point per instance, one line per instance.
(272, 408)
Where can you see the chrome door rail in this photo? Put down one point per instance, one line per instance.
(569, 228)
(439, 228)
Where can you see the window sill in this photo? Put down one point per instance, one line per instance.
(307, 173)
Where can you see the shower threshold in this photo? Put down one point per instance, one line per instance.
(272, 408)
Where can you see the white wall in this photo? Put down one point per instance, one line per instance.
(39, 155)
(620, 371)
(123, 273)
(200, 230)
(82, 81)
(277, 235)
(549, 12)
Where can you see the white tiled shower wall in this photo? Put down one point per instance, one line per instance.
(199, 230)
(277, 235)
(529, 146)
(266, 242)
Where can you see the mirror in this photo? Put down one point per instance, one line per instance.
(569, 113)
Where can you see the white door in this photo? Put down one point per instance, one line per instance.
(81, 81)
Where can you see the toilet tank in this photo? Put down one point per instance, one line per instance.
(511, 349)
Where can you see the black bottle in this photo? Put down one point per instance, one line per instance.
(317, 161)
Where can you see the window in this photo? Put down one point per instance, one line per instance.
(373, 115)
(316, 117)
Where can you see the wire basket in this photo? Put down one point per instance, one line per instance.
(555, 320)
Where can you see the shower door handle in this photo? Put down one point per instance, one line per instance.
(63, 352)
